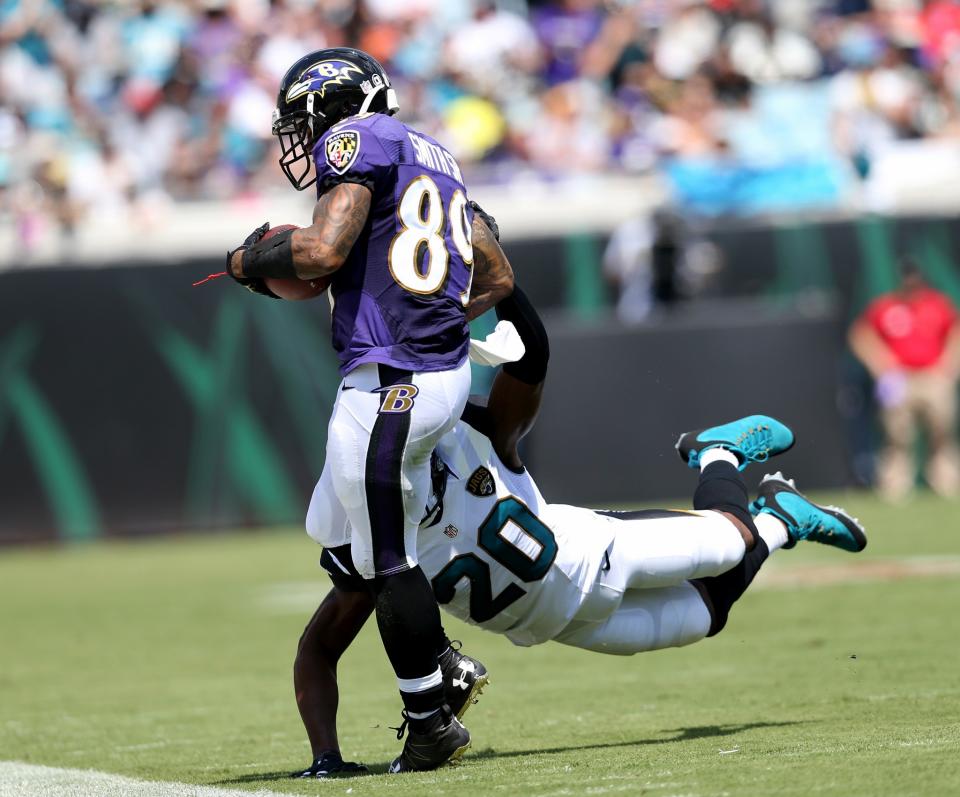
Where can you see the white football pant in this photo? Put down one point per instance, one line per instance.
(643, 600)
(376, 480)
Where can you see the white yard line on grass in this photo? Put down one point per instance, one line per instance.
(28, 780)
(867, 571)
(297, 597)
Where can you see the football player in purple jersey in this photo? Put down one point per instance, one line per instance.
(411, 260)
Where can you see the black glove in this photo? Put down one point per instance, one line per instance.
(487, 219)
(254, 284)
(331, 765)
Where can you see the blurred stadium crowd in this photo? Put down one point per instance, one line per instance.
(108, 106)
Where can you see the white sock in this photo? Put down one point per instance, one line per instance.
(718, 454)
(772, 530)
(430, 681)
(421, 715)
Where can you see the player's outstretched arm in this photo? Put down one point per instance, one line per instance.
(329, 633)
(315, 251)
(492, 274)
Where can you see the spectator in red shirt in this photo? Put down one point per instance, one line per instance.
(909, 341)
(940, 29)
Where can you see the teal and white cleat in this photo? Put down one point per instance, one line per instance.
(805, 520)
(755, 438)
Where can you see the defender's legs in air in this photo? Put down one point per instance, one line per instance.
(664, 548)
(651, 619)
(783, 517)
(721, 452)
(723, 547)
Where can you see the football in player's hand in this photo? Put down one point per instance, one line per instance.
(292, 289)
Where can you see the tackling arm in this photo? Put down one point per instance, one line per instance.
(315, 251)
(517, 391)
(329, 633)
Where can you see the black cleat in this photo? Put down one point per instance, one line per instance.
(431, 742)
(464, 678)
(331, 765)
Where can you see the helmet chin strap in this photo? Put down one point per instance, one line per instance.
(368, 100)
(391, 100)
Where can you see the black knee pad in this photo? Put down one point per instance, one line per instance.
(722, 489)
(719, 593)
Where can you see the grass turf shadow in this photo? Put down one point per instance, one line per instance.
(255, 777)
(680, 735)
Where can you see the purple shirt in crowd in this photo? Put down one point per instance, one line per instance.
(400, 299)
(564, 33)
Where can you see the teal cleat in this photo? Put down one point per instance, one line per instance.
(755, 438)
(805, 520)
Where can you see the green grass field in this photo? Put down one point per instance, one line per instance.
(171, 661)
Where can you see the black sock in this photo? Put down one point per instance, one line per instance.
(443, 643)
(722, 489)
(410, 628)
(721, 592)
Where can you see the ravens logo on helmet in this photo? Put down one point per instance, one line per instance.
(319, 90)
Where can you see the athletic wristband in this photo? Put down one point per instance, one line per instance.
(532, 367)
(271, 257)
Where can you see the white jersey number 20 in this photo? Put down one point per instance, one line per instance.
(529, 559)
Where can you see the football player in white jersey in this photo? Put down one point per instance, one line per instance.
(501, 557)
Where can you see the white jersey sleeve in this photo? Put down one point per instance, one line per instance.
(499, 556)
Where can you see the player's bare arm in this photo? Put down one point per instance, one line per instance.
(492, 274)
(315, 251)
(338, 219)
(329, 633)
(513, 407)
(517, 391)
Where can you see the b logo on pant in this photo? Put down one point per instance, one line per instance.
(397, 399)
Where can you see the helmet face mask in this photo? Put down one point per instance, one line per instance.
(319, 90)
(295, 135)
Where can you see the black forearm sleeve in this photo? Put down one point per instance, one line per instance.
(270, 257)
(532, 367)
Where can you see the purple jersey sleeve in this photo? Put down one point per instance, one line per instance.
(400, 299)
(352, 153)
